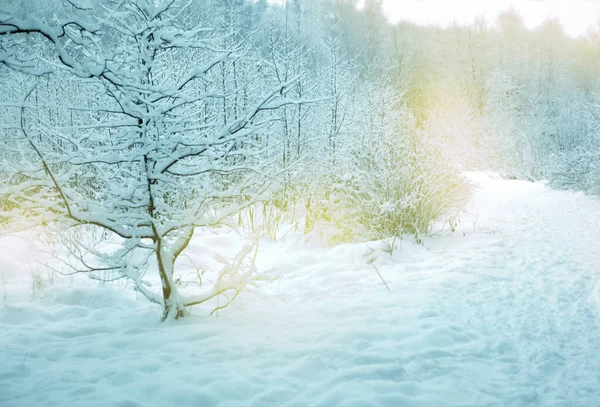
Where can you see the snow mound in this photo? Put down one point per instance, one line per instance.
(94, 297)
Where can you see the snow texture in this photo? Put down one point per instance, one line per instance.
(503, 312)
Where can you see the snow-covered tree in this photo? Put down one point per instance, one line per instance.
(154, 150)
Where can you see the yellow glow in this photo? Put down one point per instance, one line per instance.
(576, 16)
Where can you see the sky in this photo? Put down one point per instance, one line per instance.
(575, 15)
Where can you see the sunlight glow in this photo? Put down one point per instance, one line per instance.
(576, 16)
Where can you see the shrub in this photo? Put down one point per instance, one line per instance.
(394, 185)
(577, 169)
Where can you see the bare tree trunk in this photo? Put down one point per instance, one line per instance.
(173, 306)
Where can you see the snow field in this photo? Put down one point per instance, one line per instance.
(503, 312)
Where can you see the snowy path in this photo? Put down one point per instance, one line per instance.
(504, 312)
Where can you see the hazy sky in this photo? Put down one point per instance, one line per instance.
(575, 15)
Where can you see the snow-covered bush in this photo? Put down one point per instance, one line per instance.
(265, 218)
(40, 281)
(577, 169)
(399, 184)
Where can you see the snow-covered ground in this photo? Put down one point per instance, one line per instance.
(503, 312)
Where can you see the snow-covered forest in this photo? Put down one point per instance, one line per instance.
(296, 202)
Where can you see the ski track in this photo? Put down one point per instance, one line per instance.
(505, 312)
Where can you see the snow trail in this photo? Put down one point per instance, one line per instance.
(503, 312)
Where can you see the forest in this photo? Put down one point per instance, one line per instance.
(131, 131)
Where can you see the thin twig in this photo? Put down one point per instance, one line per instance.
(25, 359)
(386, 286)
